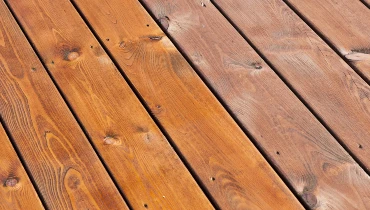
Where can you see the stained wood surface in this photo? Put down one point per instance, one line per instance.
(229, 166)
(279, 122)
(16, 190)
(366, 2)
(328, 85)
(65, 168)
(345, 24)
(116, 121)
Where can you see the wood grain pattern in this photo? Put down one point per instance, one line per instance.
(66, 169)
(140, 158)
(345, 24)
(16, 190)
(285, 129)
(333, 90)
(366, 2)
(230, 167)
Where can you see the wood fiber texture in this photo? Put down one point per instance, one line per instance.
(318, 168)
(52, 144)
(143, 163)
(345, 24)
(227, 163)
(16, 190)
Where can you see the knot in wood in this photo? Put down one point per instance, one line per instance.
(11, 182)
(73, 56)
(165, 22)
(310, 199)
(257, 65)
(109, 140)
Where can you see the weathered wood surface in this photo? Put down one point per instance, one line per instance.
(366, 2)
(16, 190)
(328, 85)
(280, 123)
(140, 158)
(65, 168)
(345, 24)
(229, 166)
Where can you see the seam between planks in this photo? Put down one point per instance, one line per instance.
(365, 3)
(233, 116)
(70, 109)
(146, 107)
(23, 163)
(326, 40)
(321, 121)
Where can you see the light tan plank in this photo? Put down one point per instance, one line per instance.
(280, 123)
(345, 24)
(140, 158)
(16, 190)
(60, 158)
(228, 164)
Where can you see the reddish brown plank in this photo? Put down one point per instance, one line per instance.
(328, 85)
(229, 166)
(140, 158)
(16, 190)
(343, 23)
(62, 162)
(285, 129)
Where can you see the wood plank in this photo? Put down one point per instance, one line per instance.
(366, 2)
(328, 85)
(345, 24)
(63, 164)
(16, 190)
(284, 128)
(224, 159)
(132, 146)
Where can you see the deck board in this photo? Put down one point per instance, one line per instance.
(55, 150)
(266, 107)
(112, 65)
(114, 118)
(345, 24)
(211, 142)
(16, 189)
(325, 82)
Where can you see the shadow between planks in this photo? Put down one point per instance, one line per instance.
(17, 191)
(343, 25)
(123, 142)
(270, 191)
(346, 117)
(290, 141)
(218, 53)
(48, 138)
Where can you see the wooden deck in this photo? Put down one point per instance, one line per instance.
(185, 104)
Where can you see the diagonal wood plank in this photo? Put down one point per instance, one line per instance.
(327, 84)
(366, 2)
(224, 159)
(57, 153)
(140, 158)
(280, 123)
(345, 24)
(16, 190)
